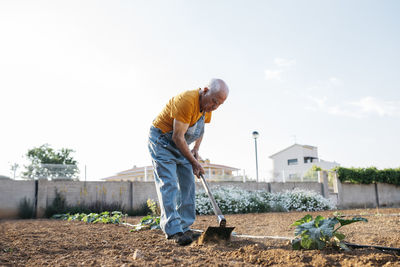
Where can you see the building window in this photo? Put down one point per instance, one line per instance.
(292, 162)
(309, 159)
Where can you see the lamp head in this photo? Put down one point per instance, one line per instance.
(255, 134)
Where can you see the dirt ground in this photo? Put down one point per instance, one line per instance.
(62, 243)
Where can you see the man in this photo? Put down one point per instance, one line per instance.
(179, 124)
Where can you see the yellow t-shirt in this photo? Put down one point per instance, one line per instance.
(184, 107)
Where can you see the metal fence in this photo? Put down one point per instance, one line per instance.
(55, 172)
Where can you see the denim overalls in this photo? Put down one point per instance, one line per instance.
(174, 179)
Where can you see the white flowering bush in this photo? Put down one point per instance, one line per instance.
(303, 200)
(232, 200)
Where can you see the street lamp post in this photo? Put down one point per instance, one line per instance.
(255, 136)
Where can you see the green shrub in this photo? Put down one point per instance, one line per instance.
(368, 175)
(58, 206)
(142, 210)
(26, 209)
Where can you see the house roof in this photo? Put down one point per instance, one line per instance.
(304, 146)
(136, 170)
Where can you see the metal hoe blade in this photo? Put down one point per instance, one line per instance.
(221, 233)
(216, 234)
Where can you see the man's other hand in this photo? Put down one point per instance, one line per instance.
(197, 168)
(195, 153)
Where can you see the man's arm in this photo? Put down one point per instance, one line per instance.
(195, 150)
(178, 136)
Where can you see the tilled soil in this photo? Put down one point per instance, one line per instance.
(62, 243)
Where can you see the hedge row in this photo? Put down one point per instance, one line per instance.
(369, 175)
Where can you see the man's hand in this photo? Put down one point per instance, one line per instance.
(197, 168)
(195, 153)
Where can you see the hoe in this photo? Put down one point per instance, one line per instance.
(221, 233)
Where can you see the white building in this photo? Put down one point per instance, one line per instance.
(294, 162)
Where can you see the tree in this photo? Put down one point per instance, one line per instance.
(312, 173)
(14, 168)
(48, 163)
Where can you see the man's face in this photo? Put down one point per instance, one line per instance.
(213, 101)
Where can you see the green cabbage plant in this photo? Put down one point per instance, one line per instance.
(320, 232)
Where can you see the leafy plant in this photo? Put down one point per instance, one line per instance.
(58, 206)
(8, 250)
(368, 175)
(148, 222)
(141, 210)
(26, 209)
(312, 173)
(155, 210)
(151, 221)
(320, 232)
(106, 217)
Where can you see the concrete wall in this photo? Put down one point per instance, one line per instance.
(12, 193)
(367, 195)
(357, 196)
(388, 195)
(77, 193)
(127, 194)
(134, 194)
(141, 192)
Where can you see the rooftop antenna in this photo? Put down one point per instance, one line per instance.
(294, 138)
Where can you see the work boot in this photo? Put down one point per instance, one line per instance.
(181, 239)
(193, 234)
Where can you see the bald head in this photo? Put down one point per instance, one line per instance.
(218, 86)
(212, 96)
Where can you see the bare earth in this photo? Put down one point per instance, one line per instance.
(61, 243)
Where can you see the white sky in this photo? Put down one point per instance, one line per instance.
(91, 76)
